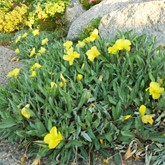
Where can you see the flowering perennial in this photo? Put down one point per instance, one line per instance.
(155, 90)
(53, 138)
(120, 44)
(92, 53)
(145, 118)
(25, 112)
(14, 73)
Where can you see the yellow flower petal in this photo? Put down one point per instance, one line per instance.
(14, 73)
(52, 84)
(44, 41)
(42, 50)
(18, 39)
(155, 90)
(92, 53)
(17, 51)
(80, 44)
(53, 138)
(33, 51)
(25, 113)
(112, 50)
(123, 44)
(79, 77)
(94, 35)
(70, 57)
(35, 32)
(35, 66)
(24, 35)
(142, 110)
(33, 74)
(68, 44)
(147, 119)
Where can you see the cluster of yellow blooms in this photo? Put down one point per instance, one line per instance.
(13, 20)
(91, 53)
(49, 10)
(156, 91)
(33, 50)
(33, 69)
(120, 44)
(54, 137)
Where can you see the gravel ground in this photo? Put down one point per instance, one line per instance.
(5, 65)
(11, 154)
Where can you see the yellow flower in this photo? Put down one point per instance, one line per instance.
(112, 49)
(18, 39)
(80, 44)
(61, 84)
(42, 50)
(127, 117)
(101, 141)
(147, 119)
(35, 66)
(24, 111)
(52, 84)
(79, 77)
(71, 56)
(94, 35)
(24, 35)
(142, 110)
(68, 44)
(44, 41)
(123, 44)
(53, 138)
(92, 53)
(87, 40)
(13, 73)
(17, 51)
(33, 74)
(33, 51)
(35, 32)
(155, 90)
(106, 161)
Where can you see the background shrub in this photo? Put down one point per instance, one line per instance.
(15, 15)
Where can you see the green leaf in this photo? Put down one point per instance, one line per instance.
(160, 139)
(7, 123)
(73, 143)
(128, 133)
(83, 98)
(116, 111)
(86, 136)
(108, 136)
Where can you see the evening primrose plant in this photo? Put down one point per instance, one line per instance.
(72, 100)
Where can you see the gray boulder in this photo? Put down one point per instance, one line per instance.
(143, 16)
(73, 11)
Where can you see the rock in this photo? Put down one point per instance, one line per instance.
(96, 11)
(143, 16)
(73, 11)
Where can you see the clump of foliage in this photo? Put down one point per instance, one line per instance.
(73, 99)
(5, 39)
(94, 24)
(87, 4)
(15, 15)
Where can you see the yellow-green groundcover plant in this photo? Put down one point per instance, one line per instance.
(17, 14)
(71, 99)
